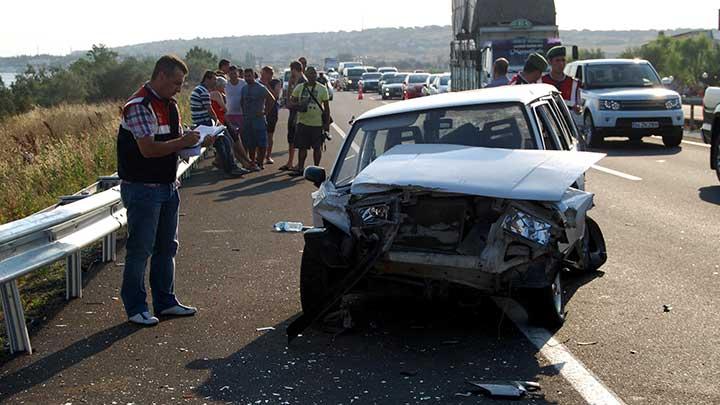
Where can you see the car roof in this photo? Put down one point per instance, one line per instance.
(610, 61)
(524, 94)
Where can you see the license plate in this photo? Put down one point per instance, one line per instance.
(646, 125)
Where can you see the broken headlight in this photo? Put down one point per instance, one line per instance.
(375, 214)
(527, 226)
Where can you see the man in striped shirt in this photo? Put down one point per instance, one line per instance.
(200, 105)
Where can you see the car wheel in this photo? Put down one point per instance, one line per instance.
(315, 280)
(674, 138)
(594, 253)
(546, 306)
(715, 154)
(592, 138)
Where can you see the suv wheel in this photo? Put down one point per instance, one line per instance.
(716, 154)
(546, 306)
(674, 138)
(592, 138)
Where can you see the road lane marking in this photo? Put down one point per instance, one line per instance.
(584, 381)
(616, 173)
(704, 145)
(342, 133)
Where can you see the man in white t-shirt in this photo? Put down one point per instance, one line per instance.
(234, 114)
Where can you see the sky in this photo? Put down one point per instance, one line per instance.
(58, 27)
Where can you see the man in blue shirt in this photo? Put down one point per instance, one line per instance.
(500, 71)
(256, 104)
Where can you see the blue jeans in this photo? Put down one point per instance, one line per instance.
(152, 219)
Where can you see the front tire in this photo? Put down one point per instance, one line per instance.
(715, 154)
(592, 138)
(546, 306)
(674, 138)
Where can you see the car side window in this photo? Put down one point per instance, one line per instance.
(549, 127)
(563, 117)
(579, 73)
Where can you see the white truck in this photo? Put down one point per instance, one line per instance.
(711, 126)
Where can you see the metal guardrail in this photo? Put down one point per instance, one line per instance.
(60, 233)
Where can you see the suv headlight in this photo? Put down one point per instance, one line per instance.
(609, 105)
(528, 227)
(375, 214)
(673, 104)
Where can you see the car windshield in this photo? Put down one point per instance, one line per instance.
(621, 75)
(418, 78)
(355, 72)
(395, 79)
(371, 76)
(503, 126)
(386, 76)
(444, 80)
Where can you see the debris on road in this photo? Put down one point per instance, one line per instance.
(288, 227)
(667, 308)
(586, 343)
(633, 352)
(265, 329)
(507, 389)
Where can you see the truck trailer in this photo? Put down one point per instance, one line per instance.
(484, 30)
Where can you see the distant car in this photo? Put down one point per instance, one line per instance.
(442, 83)
(326, 81)
(414, 199)
(711, 126)
(342, 66)
(394, 86)
(371, 82)
(415, 84)
(625, 97)
(352, 77)
(427, 90)
(387, 69)
(371, 69)
(384, 77)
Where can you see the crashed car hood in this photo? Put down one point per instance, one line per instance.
(535, 175)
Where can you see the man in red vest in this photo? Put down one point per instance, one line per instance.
(534, 67)
(148, 142)
(569, 87)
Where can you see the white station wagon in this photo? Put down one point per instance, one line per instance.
(478, 191)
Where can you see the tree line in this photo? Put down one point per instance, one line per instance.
(101, 75)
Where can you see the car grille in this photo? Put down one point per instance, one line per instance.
(642, 105)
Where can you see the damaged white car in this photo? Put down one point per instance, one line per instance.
(481, 190)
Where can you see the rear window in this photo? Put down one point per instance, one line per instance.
(355, 72)
(371, 76)
(444, 80)
(418, 78)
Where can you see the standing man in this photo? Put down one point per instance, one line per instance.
(148, 142)
(535, 65)
(234, 117)
(200, 103)
(254, 100)
(271, 112)
(312, 101)
(296, 77)
(224, 67)
(303, 62)
(569, 87)
(500, 71)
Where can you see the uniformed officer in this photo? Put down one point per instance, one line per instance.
(534, 67)
(569, 87)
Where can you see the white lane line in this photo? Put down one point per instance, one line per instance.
(584, 381)
(342, 133)
(616, 173)
(703, 145)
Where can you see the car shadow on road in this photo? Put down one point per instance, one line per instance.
(710, 194)
(573, 281)
(635, 148)
(407, 353)
(252, 186)
(49, 366)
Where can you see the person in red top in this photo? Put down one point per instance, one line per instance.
(569, 87)
(218, 100)
(534, 67)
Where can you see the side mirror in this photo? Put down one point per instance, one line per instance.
(315, 175)
(667, 81)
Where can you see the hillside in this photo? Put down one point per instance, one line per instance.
(428, 45)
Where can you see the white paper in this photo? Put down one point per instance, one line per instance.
(204, 131)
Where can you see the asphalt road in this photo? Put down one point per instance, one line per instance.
(662, 235)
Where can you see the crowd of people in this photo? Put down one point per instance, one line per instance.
(247, 103)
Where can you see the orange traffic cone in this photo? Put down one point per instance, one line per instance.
(360, 92)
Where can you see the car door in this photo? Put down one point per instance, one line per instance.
(550, 130)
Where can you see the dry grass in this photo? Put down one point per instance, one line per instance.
(53, 152)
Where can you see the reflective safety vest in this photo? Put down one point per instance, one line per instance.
(568, 87)
(132, 165)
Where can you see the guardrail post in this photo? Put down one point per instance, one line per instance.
(109, 248)
(73, 275)
(14, 318)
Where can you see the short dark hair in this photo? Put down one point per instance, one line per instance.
(267, 69)
(209, 74)
(296, 66)
(168, 64)
(501, 66)
(249, 70)
(223, 62)
(233, 68)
